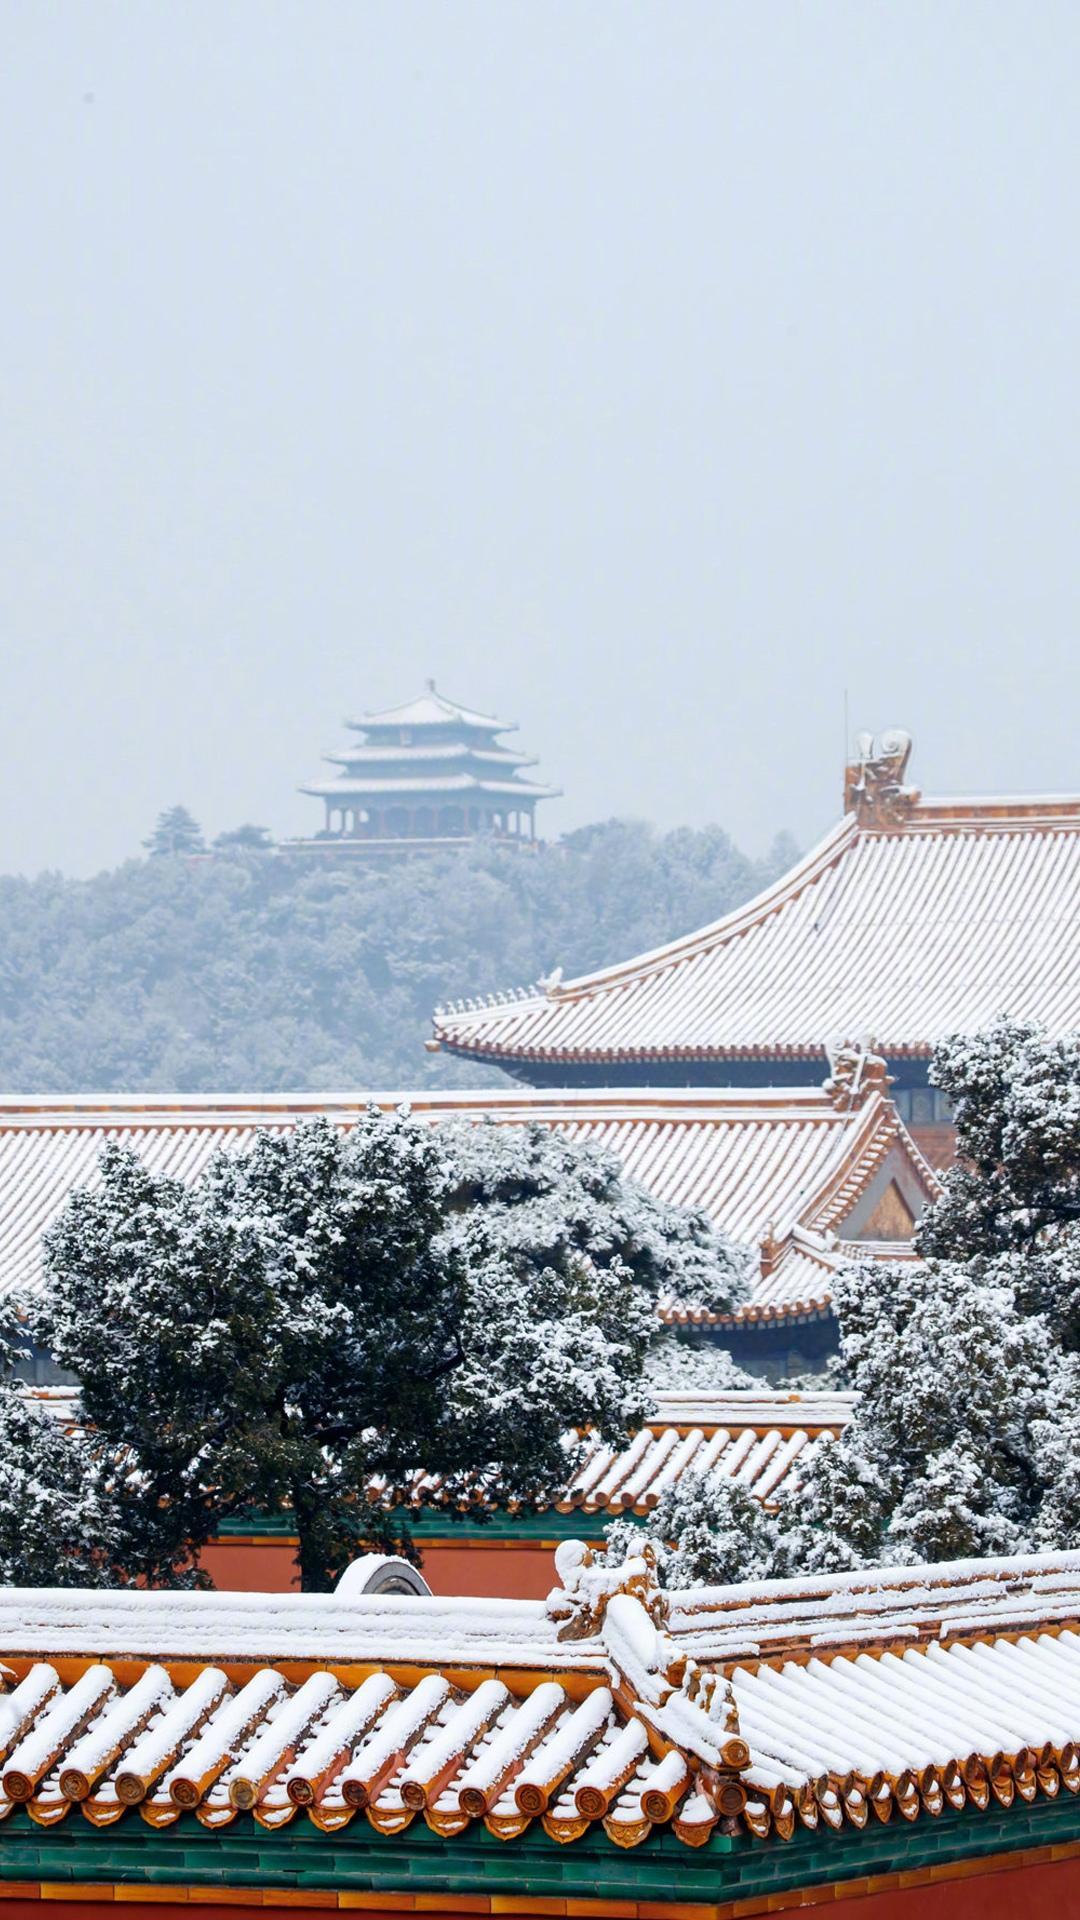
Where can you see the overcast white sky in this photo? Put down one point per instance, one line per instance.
(649, 371)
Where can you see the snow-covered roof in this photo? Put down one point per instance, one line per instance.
(912, 919)
(795, 1168)
(431, 709)
(376, 787)
(610, 1703)
(361, 754)
(762, 1438)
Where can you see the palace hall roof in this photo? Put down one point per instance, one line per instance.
(798, 1172)
(752, 1710)
(763, 1440)
(912, 918)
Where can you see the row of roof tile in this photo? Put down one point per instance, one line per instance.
(786, 1704)
(792, 1164)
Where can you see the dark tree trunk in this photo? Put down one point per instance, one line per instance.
(313, 1542)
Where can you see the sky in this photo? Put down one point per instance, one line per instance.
(659, 376)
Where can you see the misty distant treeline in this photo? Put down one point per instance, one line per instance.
(249, 971)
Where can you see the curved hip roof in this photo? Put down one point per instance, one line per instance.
(940, 917)
(790, 1162)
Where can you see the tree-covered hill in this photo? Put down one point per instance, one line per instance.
(245, 970)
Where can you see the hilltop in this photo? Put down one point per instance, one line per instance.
(245, 970)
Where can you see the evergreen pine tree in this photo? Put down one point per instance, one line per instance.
(330, 1311)
(956, 1509)
(176, 831)
(835, 1520)
(59, 1521)
(705, 1530)
(1013, 1197)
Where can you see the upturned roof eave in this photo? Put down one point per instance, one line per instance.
(444, 712)
(489, 1033)
(810, 1052)
(380, 790)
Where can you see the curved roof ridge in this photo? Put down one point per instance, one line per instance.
(994, 808)
(728, 926)
(909, 923)
(411, 712)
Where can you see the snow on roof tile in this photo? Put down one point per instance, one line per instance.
(700, 1432)
(778, 1704)
(907, 922)
(711, 1434)
(431, 709)
(354, 786)
(789, 1160)
(488, 754)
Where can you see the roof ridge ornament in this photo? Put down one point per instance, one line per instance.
(581, 1602)
(855, 1072)
(770, 1247)
(683, 1703)
(874, 789)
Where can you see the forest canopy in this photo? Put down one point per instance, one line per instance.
(242, 970)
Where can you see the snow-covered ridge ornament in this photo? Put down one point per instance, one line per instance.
(381, 1573)
(691, 1707)
(855, 1071)
(581, 1602)
(874, 789)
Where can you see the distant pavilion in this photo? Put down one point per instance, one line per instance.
(425, 775)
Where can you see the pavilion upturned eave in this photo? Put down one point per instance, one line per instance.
(361, 790)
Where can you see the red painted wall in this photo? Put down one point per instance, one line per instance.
(498, 1571)
(1016, 1893)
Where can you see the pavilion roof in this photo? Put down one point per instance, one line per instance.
(794, 1168)
(432, 709)
(610, 1706)
(363, 755)
(912, 919)
(380, 787)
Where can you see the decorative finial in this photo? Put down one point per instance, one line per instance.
(874, 789)
(430, 685)
(769, 1250)
(855, 1072)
